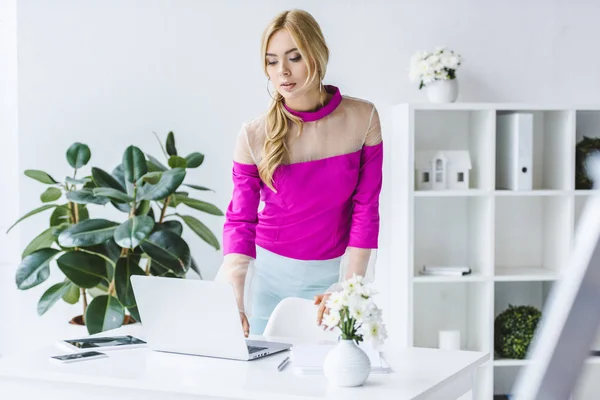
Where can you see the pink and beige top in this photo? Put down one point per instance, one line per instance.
(326, 202)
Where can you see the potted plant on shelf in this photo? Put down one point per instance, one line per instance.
(436, 71)
(352, 312)
(97, 256)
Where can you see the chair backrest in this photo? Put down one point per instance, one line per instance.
(296, 318)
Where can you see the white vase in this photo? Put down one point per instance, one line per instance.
(442, 91)
(347, 365)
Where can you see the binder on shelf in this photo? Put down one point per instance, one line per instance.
(514, 151)
(445, 271)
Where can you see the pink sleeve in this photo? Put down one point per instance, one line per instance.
(364, 230)
(241, 217)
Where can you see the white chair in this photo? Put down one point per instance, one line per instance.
(297, 318)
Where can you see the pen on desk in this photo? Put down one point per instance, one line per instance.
(285, 362)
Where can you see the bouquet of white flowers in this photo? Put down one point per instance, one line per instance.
(427, 67)
(354, 313)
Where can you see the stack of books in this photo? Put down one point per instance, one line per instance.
(445, 270)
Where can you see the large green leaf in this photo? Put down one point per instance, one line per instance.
(104, 179)
(134, 164)
(177, 162)
(33, 212)
(131, 232)
(81, 181)
(172, 226)
(86, 196)
(114, 194)
(78, 155)
(34, 269)
(200, 205)
(41, 241)
(143, 208)
(157, 269)
(169, 250)
(151, 177)
(174, 199)
(87, 233)
(154, 165)
(119, 174)
(83, 269)
(201, 230)
(194, 160)
(40, 176)
(51, 296)
(104, 313)
(61, 214)
(171, 150)
(109, 249)
(168, 184)
(72, 294)
(51, 194)
(126, 267)
(198, 187)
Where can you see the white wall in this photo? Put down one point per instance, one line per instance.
(9, 183)
(110, 72)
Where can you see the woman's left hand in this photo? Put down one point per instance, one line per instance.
(321, 300)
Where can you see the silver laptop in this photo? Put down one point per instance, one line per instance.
(195, 317)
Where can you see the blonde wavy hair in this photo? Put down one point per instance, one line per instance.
(307, 34)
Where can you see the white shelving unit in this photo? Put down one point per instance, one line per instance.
(516, 243)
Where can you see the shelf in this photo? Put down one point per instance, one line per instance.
(453, 231)
(532, 231)
(473, 277)
(583, 192)
(550, 166)
(520, 294)
(517, 243)
(507, 362)
(502, 106)
(515, 193)
(452, 130)
(524, 273)
(460, 306)
(450, 193)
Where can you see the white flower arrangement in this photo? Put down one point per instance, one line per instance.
(354, 313)
(427, 67)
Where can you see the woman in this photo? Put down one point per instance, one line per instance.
(315, 160)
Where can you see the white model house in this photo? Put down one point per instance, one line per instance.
(442, 169)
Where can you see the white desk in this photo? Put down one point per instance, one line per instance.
(138, 374)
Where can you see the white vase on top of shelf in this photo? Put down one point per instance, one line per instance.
(436, 72)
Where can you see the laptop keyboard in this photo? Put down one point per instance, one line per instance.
(254, 349)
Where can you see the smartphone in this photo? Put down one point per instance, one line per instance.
(75, 357)
(103, 343)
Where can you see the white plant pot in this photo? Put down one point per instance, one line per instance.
(442, 91)
(347, 365)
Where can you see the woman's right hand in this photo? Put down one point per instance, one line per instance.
(245, 323)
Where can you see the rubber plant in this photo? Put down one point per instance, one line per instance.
(97, 256)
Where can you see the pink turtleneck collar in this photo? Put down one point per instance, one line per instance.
(308, 116)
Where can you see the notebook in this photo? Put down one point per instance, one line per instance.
(308, 359)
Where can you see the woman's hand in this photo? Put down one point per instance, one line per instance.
(321, 300)
(245, 323)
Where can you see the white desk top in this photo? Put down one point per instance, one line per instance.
(417, 372)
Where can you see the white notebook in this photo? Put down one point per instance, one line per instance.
(307, 359)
